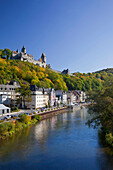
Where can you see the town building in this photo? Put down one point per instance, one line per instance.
(8, 94)
(61, 96)
(58, 100)
(23, 56)
(52, 96)
(39, 97)
(81, 96)
(71, 97)
(4, 109)
(76, 96)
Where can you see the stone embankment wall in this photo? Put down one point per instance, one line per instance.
(52, 113)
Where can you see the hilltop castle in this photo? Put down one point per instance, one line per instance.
(23, 56)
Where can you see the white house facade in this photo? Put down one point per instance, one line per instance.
(8, 94)
(39, 98)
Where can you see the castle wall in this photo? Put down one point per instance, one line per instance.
(23, 56)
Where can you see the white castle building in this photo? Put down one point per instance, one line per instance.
(23, 56)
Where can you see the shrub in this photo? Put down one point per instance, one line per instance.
(57, 104)
(109, 139)
(20, 115)
(15, 109)
(33, 121)
(37, 117)
(25, 119)
(1, 121)
(49, 105)
(3, 128)
(8, 119)
(11, 126)
(18, 126)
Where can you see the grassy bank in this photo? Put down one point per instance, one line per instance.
(8, 129)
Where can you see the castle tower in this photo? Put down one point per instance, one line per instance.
(17, 51)
(43, 57)
(23, 49)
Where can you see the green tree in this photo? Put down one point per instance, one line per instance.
(25, 93)
(8, 53)
(102, 110)
(25, 119)
(1, 53)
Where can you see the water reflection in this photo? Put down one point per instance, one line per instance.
(61, 142)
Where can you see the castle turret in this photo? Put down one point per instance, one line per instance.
(43, 57)
(23, 49)
(17, 51)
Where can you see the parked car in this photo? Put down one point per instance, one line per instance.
(8, 116)
(42, 109)
(5, 118)
(12, 116)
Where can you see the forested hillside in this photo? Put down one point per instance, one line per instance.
(33, 74)
(108, 70)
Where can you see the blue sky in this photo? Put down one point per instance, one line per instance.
(74, 34)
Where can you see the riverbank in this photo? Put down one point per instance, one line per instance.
(7, 129)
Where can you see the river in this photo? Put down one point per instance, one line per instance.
(61, 142)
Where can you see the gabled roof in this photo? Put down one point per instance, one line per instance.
(3, 107)
(35, 88)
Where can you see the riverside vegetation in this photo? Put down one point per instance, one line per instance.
(7, 129)
(102, 111)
